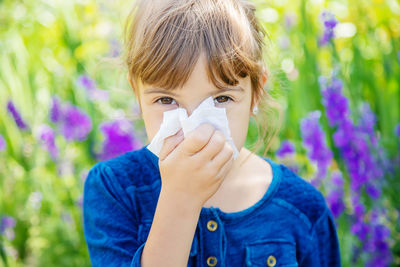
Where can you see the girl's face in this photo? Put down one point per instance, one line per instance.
(236, 99)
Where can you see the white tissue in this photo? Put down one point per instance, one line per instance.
(176, 119)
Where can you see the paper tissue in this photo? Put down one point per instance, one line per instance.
(176, 119)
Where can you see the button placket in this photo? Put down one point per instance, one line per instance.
(212, 238)
(212, 227)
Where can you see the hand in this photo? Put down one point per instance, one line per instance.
(192, 169)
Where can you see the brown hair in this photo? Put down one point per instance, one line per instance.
(164, 39)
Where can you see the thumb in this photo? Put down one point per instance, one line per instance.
(170, 143)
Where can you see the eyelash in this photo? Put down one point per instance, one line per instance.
(229, 99)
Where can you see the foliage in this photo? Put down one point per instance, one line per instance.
(64, 106)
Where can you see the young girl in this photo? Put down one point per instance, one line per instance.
(195, 205)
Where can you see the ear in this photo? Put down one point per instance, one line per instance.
(264, 77)
(263, 81)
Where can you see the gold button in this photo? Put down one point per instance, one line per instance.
(271, 261)
(212, 225)
(211, 261)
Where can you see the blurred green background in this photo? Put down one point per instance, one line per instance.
(64, 54)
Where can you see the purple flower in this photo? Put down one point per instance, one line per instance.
(329, 21)
(55, 111)
(367, 122)
(361, 230)
(16, 116)
(6, 222)
(119, 139)
(46, 135)
(337, 179)
(397, 130)
(290, 20)
(365, 163)
(344, 135)
(356, 143)
(336, 195)
(2, 143)
(86, 82)
(314, 140)
(115, 48)
(336, 204)
(333, 97)
(373, 191)
(359, 208)
(91, 88)
(287, 148)
(377, 246)
(75, 124)
(6, 227)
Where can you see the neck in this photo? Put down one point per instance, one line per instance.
(238, 163)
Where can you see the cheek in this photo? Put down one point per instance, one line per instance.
(238, 124)
(152, 121)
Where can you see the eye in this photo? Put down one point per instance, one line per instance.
(165, 100)
(223, 99)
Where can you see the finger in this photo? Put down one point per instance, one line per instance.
(170, 143)
(213, 147)
(223, 156)
(198, 138)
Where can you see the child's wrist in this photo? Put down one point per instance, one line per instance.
(184, 202)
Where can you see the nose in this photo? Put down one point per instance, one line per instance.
(190, 107)
(189, 111)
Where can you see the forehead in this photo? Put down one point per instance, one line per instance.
(199, 77)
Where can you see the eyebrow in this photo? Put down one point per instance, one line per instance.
(162, 91)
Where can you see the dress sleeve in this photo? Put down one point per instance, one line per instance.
(110, 226)
(323, 250)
